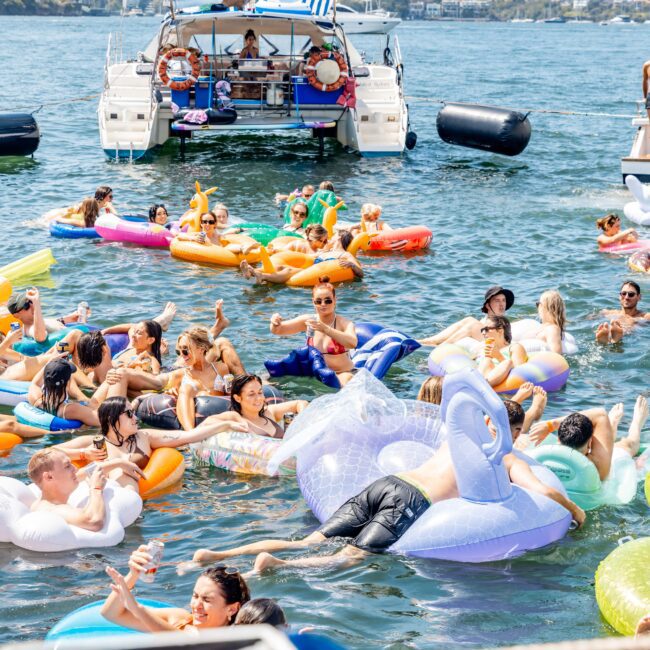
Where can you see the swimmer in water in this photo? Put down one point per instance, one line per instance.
(612, 234)
(622, 321)
(370, 220)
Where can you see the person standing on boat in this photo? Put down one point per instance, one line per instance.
(250, 50)
(645, 86)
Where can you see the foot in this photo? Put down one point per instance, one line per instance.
(643, 626)
(615, 331)
(167, 316)
(266, 561)
(602, 333)
(247, 270)
(219, 318)
(640, 412)
(616, 415)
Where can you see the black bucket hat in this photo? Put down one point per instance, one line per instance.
(59, 371)
(495, 291)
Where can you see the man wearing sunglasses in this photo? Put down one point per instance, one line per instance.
(26, 307)
(623, 320)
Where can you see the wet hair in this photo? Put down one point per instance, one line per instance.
(102, 192)
(238, 385)
(153, 209)
(633, 284)
(326, 185)
(607, 220)
(109, 413)
(554, 305)
(89, 211)
(261, 610)
(90, 349)
(516, 413)
(431, 390)
(248, 34)
(575, 430)
(370, 209)
(54, 393)
(232, 585)
(502, 323)
(199, 337)
(220, 206)
(42, 461)
(318, 231)
(346, 238)
(323, 283)
(154, 330)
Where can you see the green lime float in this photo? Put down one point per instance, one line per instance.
(264, 233)
(315, 209)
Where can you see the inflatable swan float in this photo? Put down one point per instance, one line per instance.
(639, 210)
(344, 442)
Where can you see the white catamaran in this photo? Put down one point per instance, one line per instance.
(305, 74)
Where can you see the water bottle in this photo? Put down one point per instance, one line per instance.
(82, 310)
(310, 329)
(155, 548)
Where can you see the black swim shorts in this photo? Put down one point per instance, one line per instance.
(647, 101)
(377, 517)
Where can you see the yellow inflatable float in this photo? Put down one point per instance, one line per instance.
(35, 264)
(208, 253)
(198, 205)
(623, 585)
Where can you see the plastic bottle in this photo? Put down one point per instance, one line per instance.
(82, 310)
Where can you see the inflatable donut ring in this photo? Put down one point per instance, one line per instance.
(623, 585)
(27, 414)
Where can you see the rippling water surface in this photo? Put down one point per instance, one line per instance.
(526, 223)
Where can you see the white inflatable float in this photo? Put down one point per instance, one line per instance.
(49, 532)
(639, 210)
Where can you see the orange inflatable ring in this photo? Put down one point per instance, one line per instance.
(165, 467)
(179, 53)
(8, 441)
(312, 64)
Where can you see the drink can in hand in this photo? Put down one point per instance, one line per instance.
(99, 442)
(155, 548)
(62, 347)
(82, 310)
(14, 327)
(288, 419)
(227, 383)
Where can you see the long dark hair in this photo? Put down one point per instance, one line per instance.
(153, 209)
(238, 384)
(261, 610)
(232, 585)
(54, 394)
(90, 349)
(109, 413)
(154, 330)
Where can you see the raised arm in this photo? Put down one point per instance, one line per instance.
(35, 391)
(277, 411)
(288, 327)
(39, 330)
(209, 427)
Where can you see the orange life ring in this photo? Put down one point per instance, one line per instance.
(315, 59)
(179, 53)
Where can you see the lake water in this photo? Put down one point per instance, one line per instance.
(526, 223)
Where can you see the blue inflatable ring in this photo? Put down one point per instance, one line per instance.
(27, 414)
(68, 231)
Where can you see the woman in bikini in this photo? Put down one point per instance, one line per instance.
(247, 401)
(328, 332)
(612, 234)
(500, 355)
(143, 352)
(218, 594)
(204, 364)
(127, 446)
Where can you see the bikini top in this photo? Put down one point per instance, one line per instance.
(217, 385)
(278, 431)
(141, 458)
(333, 347)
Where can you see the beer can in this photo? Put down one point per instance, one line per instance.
(14, 327)
(155, 548)
(227, 380)
(99, 442)
(288, 418)
(62, 346)
(82, 310)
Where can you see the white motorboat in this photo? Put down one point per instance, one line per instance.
(637, 163)
(309, 77)
(370, 21)
(621, 20)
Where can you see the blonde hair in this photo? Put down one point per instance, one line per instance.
(431, 390)
(554, 306)
(604, 221)
(219, 206)
(199, 337)
(42, 461)
(370, 209)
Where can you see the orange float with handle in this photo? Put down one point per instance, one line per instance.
(331, 215)
(179, 53)
(311, 71)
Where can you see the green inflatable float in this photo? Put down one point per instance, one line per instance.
(262, 232)
(315, 209)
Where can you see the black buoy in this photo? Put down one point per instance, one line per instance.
(411, 140)
(490, 128)
(19, 134)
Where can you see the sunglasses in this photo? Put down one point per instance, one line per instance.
(628, 294)
(485, 330)
(129, 413)
(323, 301)
(208, 221)
(184, 351)
(228, 570)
